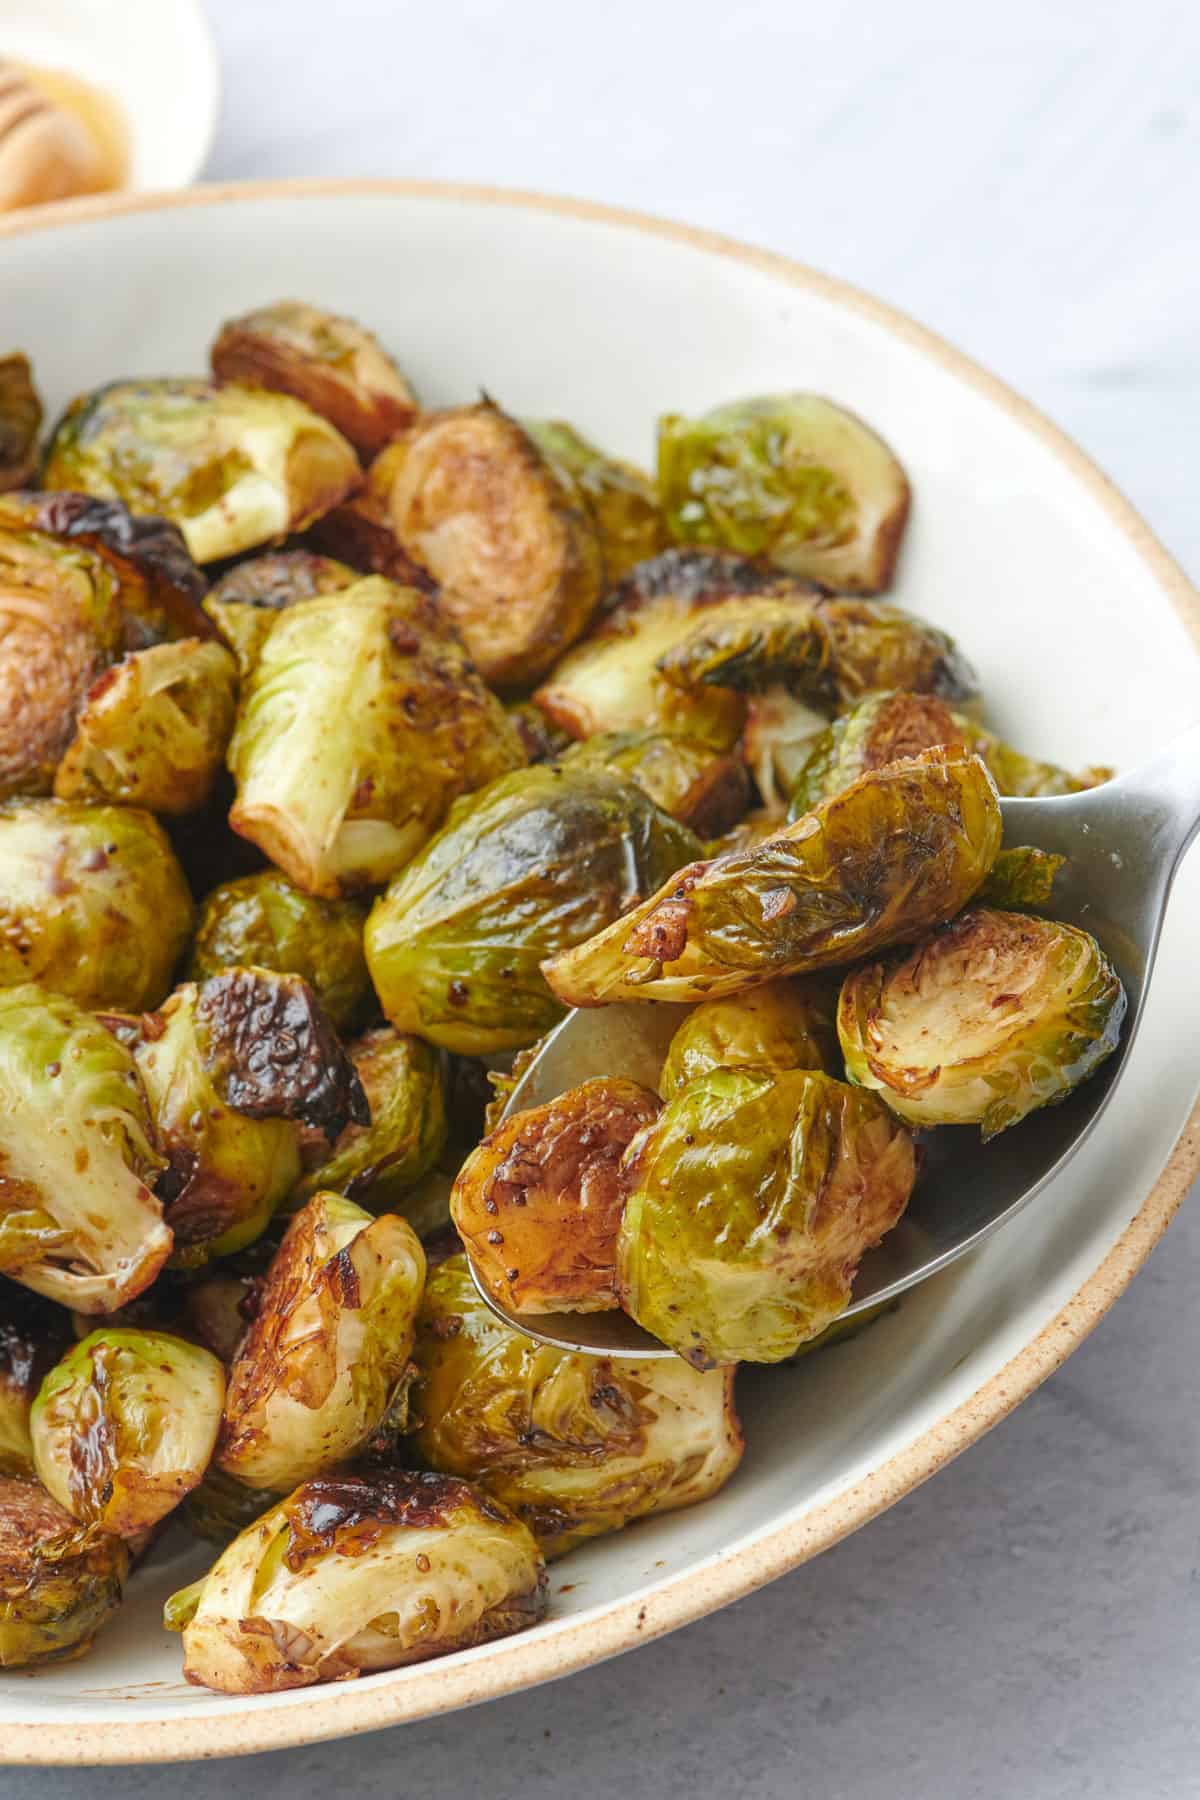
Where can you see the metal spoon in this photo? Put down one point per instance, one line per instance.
(1123, 842)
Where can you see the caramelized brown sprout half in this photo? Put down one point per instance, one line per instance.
(335, 366)
(886, 727)
(58, 1584)
(538, 1204)
(20, 421)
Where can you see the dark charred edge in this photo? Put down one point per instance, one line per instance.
(703, 578)
(348, 1513)
(280, 578)
(274, 1054)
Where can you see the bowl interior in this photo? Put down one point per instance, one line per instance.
(1013, 547)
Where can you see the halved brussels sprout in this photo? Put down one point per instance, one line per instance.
(233, 467)
(789, 476)
(267, 922)
(158, 586)
(357, 1573)
(703, 788)
(58, 1584)
(320, 1362)
(20, 421)
(360, 531)
(535, 862)
(983, 1021)
(125, 1425)
(152, 731)
(902, 848)
(1015, 773)
(33, 1335)
(376, 1164)
(752, 1198)
(611, 681)
(244, 603)
(77, 1221)
(332, 364)
(92, 903)
(358, 725)
(622, 499)
(575, 1445)
(1021, 876)
(506, 535)
(831, 652)
(538, 1203)
(784, 1025)
(886, 727)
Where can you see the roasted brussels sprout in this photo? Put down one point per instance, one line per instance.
(360, 722)
(318, 1366)
(789, 476)
(831, 652)
(886, 727)
(58, 1584)
(33, 1335)
(125, 1425)
(357, 1573)
(244, 604)
(1015, 773)
(703, 788)
(152, 731)
(575, 1445)
(902, 848)
(622, 499)
(20, 421)
(336, 367)
(1020, 877)
(611, 681)
(233, 467)
(538, 1204)
(218, 1306)
(751, 1200)
(542, 740)
(506, 535)
(376, 1164)
(266, 921)
(784, 1025)
(982, 1021)
(360, 531)
(77, 1221)
(92, 904)
(536, 862)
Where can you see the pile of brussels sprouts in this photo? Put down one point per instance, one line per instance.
(343, 747)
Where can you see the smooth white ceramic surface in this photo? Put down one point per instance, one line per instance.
(1081, 654)
(156, 57)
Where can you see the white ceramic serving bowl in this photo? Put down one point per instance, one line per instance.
(1086, 636)
(155, 57)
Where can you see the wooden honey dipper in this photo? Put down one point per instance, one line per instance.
(45, 152)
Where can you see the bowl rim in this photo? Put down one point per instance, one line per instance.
(560, 1649)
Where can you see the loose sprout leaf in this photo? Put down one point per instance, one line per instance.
(1026, 776)
(1021, 876)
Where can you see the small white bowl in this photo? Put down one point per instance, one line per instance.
(156, 58)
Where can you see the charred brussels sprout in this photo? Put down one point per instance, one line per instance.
(244, 604)
(789, 476)
(506, 535)
(58, 1584)
(536, 862)
(20, 421)
(321, 1360)
(233, 467)
(903, 848)
(359, 724)
(703, 788)
(622, 499)
(611, 681)
(1021, 877)
(358, 1573)
(267, 922)
(752, 1198)
(152, 732)
(886, 727)
(375, 1165)
(124, 1426)
(92, 904)
(336, 367)
(830, 652)
(983, 1021)
(77, 1221)
(538, 1204)
(33, 1335)
(784, 1025)
(575, 1445)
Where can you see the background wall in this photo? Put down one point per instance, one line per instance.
(1025, 179)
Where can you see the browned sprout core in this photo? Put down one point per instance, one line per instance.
(538, 1204)
(275, 1054)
